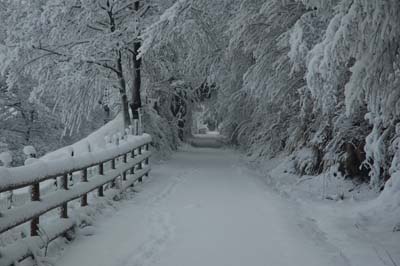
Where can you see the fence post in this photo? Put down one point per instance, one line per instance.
(140, 123)
(35, 196)
(140, 166)
(30, 153)
(136, 127)
(147, 149)
(71, 176)
(84, 179)
(124, 160)
(64, 206)
(113, 163)
(132, 156)
(100, 191)
(113, 168)
(147, 159)
(140, 150)
(6, 159)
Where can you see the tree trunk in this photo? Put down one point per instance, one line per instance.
(125, 110)
(122, 81)
(137, 62)
(122, 90)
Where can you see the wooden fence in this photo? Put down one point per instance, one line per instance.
(128, 163)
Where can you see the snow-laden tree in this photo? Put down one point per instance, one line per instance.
(290, 74)
(266, 95)
(178, 52)
(23, 122)
(356, 66)
(76, 50)
(186, 39)
(283, 76)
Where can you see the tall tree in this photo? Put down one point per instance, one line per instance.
(136, 102)
(75, 49)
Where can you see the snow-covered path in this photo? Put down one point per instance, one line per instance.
(202, 208)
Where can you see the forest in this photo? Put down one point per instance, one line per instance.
(200, 132)
(316, 80)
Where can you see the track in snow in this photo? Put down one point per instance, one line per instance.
(204, 208)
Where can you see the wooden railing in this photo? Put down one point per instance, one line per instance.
(133, 156)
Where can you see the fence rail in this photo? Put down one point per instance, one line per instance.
(129, 162)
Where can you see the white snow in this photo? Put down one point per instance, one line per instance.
(209, 140)
(41, 170)
(29, 151)
(97, 140)
(17, 250)
(19, 215)
(350, 218)
(204, 207)
(5, 158)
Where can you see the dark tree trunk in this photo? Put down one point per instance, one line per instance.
(124, 97)
(120, 74)
(137, 63)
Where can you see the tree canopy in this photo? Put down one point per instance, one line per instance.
(279, 76)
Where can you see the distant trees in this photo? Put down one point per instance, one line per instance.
(179, 51)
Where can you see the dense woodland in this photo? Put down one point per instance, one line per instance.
(315, 79)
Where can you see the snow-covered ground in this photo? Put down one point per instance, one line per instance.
(363, 225)
(205, 207)
(210, 140)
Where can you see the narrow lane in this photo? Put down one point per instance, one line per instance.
(202, 208)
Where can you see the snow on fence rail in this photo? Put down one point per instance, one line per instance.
(134, 155)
